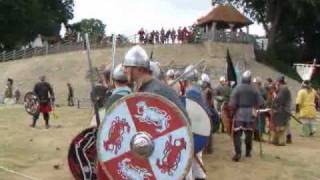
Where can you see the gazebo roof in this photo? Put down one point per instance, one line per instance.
(225, 14)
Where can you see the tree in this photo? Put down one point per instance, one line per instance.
(22, 21)
(287, 23)
(94, 27)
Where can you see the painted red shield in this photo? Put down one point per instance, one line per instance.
(82, 155)
(165, 124)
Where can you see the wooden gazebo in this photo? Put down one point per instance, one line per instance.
(223, 17)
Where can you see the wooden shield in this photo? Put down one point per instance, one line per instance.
(31, 103)
(165, 124)
(200, 124)
(82, 155)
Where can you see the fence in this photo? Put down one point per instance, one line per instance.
(61, 48)
(231, 37)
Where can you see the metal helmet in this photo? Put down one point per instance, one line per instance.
(177, 73)
(136, 57)
(246, 77)
(191, 75)
(170, 73)
(205, 78)
(118, 73)
(155, 69)
(222, 79)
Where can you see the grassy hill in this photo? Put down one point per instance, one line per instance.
(73, 67)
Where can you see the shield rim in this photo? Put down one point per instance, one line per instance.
(205, 113)
(147, 94)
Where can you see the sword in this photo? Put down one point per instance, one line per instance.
(96, 111)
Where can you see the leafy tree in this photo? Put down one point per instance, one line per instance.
(94, 27)
(293, 24)
(22, 20)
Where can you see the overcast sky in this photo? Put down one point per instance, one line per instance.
(128, 16)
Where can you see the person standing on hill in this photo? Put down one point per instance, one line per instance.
(305, 107)
(70, 95)
(44, 92)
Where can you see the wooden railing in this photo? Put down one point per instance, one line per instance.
(229, 37)
(58, 48)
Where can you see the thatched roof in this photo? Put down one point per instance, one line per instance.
(225, 14)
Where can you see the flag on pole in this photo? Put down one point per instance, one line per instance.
(231, 73)
(306, 71)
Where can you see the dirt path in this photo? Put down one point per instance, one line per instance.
(35, 151)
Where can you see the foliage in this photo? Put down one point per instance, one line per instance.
(94, 27)
(22, 20)
(295, 23)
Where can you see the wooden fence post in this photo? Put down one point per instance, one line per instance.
(47, 49)
(24, 53)
(14, 55)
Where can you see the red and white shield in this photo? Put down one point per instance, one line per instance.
(145, 119)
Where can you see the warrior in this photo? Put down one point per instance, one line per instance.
(162, 36)
(157, 37)
(193, 92)
(70, 95)
(141, 35)
(8, 94)
(180, 35)
(167, 36)
(222, 95)
(44, 92)
(260, 126)
(281, 106)
(305, 107)
(209, 96)
(170, 76)
(173, 35)
(120, 82)
(243, 102)
(137, 69)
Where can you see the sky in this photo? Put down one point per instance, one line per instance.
(128, 16)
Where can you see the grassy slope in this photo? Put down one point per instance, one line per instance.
(72, 67)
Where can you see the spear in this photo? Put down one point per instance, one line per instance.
(95, 105)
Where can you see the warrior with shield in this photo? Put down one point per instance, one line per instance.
(137, 68)
(193, 92)
(209, 96)
(244, 101)
(45, 94)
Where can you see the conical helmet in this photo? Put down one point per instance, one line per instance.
(136, 57)
(118, 73)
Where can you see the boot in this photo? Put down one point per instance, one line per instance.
(47, 124)
(256, 136)
(289, 139)
(248, 153)
(33, 123)
(236, 157)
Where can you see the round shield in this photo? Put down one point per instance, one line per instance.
(82, 155)
(145, 136)
(31, 103)
(200, 124)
